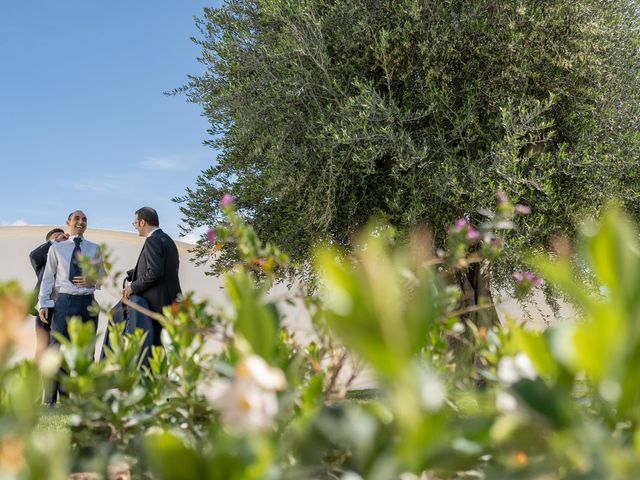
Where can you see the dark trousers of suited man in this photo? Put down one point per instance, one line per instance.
(153, 329)
(68, 306)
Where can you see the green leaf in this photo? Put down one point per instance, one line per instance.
(171, 459)
(540, 398)
(256, 320)
(534, 344)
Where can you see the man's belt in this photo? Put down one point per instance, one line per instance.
(75, 294)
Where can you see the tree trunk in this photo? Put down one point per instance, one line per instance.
(476, 291)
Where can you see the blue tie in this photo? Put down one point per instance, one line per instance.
(74, 269)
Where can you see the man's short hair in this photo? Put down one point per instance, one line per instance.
(51, 232)
(149, 215)
(75, 211)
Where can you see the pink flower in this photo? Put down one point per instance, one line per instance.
(528, 279)
(522, 209)
(212, 236)
(463, 226)
(472, 233)
(227, 200)
(502, 197)
(460, 224)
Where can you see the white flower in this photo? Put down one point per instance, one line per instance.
(432, 391)
(610, 390)
(505, 402)
(75, 420)
(351, 476)
(165, 337)
(507, 371)
(524, 366)
(213, 390)
(49, 362)
(458, 328)
(245, 406)
(513, 369)
(255, 369)
(248, 402)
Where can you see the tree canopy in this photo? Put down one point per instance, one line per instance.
(326, 113)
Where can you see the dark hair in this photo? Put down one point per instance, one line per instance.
(51, 232)
(149, 215)
(75, 211)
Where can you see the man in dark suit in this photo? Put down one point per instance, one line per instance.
(154, 280)
(38, 258)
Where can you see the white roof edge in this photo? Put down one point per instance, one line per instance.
(31, 228)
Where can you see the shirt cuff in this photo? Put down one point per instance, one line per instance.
(46, 304)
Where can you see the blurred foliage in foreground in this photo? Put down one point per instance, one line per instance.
(236, 395)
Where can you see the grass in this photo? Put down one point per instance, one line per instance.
(53, 420)
(363, 394)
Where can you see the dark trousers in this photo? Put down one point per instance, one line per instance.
(136, 319)
(41, 324)
(68, 306)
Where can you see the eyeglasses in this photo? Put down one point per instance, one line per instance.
(136, 223)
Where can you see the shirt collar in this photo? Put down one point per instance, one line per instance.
(152, 231)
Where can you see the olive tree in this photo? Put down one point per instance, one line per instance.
(327, 113)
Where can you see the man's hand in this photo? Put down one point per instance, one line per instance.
(83, 282)
(127, 292)
(61, 237)
(43, 313)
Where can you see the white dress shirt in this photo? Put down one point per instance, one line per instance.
(56, 272)
(153, 231)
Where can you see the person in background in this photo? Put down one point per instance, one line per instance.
(38, 258)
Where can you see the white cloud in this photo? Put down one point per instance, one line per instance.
(168, 162)
(177, 161)
(92, 187)
(16, 223)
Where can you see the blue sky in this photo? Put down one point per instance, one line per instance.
(83, 119)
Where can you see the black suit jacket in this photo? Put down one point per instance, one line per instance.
(38, 259)
(156, 274)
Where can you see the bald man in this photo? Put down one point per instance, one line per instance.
(63, 274)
